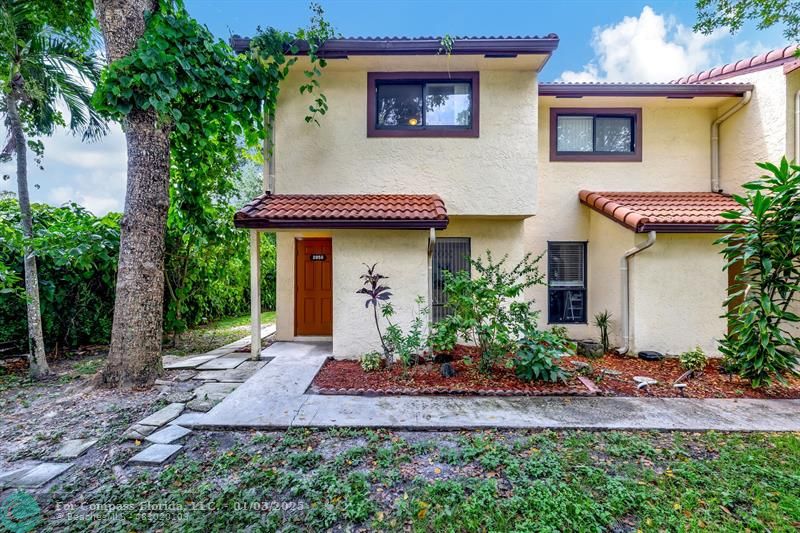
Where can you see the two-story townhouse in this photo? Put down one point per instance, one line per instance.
(426, 158)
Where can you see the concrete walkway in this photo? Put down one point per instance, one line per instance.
(275, 397)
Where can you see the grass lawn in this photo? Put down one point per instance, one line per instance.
(304, 480)
(205, 338)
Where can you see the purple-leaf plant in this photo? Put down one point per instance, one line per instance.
(377, 294)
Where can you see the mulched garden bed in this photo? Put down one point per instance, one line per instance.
(347, 377)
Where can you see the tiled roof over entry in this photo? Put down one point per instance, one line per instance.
(670, 212)
(323, 211)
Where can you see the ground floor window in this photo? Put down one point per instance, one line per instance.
(566, 275)
(451, 254)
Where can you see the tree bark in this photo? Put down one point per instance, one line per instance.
(36, 358)
(134, 359)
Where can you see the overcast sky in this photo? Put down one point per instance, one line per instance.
(611, 40)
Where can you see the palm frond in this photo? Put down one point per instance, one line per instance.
(56, 71)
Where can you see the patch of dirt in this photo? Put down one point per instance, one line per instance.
(711, 383)
(36, 417)
(347, 377)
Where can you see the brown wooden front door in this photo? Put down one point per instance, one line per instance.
(313, 307)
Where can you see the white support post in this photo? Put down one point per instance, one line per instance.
(255, 296)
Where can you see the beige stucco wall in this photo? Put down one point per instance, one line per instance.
(401, 255)
(501, 236)
(608, 241)
(757, 132)
(677, 290)
(675, 157)
(490, 175)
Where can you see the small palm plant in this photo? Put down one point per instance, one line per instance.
(603, 323)
(41, 68)
(377, 294)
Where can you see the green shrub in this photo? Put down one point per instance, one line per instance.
(762, 239)
(538, 355)
(76, 252)
(603, 322)
(372, 361)
(406, 347)
(76, 256)
(487, 310)
(695, 360)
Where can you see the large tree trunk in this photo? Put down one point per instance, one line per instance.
(134, 359)
(36, 358)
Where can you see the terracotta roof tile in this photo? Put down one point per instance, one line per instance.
(671, 212)
(410, 211)
(770, 59)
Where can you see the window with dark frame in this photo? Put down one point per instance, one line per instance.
(427, 104)
(453, 255)
(585, 134)
(566, 282)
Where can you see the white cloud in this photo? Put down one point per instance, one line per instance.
(650, 47)
(97, 204)
(92, 174)
(748, 49)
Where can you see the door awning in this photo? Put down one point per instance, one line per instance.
(341, 211)
(667, 212)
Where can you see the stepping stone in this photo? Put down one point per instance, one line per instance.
(210, 394)
(240, 374)
(74, 448)
(155, 454)
(8, 477)
(168, 435)
(161, 417)
(187, 418)
(41, 474)
(223, 363)
(185, 375)
(192, 362)
(138, 432)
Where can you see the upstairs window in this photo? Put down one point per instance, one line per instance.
(579, 134)
(566, 282)
(423, 104)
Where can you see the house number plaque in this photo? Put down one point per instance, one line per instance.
(318, 257)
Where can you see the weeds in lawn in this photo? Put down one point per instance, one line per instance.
(494, 480)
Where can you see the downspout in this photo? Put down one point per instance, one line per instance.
(268, 173)
(624, 263)
(715, 181)
(797, 126)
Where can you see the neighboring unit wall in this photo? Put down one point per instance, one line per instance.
(608, 241)
(677, 291)
(494, 174)
(792, 86)
(757, 132)
(675, 157)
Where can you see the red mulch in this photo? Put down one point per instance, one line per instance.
(711, 383)
(347, 377)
